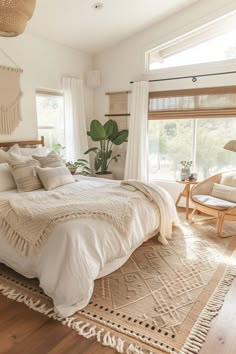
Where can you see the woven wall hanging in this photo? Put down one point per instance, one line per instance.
(10, 95)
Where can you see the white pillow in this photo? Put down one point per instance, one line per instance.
(41, 151)
(54, 177)
(5, 155)
(7, 181)
(228, 179)
(14, 149)
(18, 157)
(224, 192)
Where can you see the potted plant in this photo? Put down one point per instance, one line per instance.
(185, 170)
(79, 167)
(106, 135)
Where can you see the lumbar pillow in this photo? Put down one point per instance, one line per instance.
(224, 192)
(228, 179)
(40, 151)
(7, 182)
(51, 160)
(54, 177)
(25, 175)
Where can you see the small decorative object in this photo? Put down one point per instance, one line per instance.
(107, 135)
(79, 167)
(14, 15)
(193, 176)
(185, 170)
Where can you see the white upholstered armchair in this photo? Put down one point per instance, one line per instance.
(216, 196)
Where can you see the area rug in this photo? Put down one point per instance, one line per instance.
(162, 300)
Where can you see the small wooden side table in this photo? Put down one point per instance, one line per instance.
(185, 193)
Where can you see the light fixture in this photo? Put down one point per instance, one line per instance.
(98, 6)
(231, 145)
(14, 15)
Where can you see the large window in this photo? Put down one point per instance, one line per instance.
(202, 122)
(212, 42)
(50, 117)
(199, 140)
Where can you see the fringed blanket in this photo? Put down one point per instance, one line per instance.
(28, 220)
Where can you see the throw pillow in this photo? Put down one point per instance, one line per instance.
(7, 182)
(40, 151)
(25, 175)
(54, 177)
(228, 179)
(224, 192)
(51, 160)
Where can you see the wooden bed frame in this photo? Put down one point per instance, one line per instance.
(26, 142)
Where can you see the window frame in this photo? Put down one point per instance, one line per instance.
(190, 39)
(49, 93)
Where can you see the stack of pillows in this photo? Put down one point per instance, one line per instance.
(29, 169)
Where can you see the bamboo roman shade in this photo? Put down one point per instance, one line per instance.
(193, 103)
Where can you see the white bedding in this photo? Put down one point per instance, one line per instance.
(80, 251)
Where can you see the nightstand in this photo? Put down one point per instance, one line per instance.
(185, 193)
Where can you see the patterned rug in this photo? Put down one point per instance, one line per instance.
(162, 299)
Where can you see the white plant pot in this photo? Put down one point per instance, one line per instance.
(185, 173)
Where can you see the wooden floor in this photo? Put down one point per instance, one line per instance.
(23, 331)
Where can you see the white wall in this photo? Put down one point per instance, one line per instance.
(125, 62)
(44, 63)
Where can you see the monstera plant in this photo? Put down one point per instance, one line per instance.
(106, 135)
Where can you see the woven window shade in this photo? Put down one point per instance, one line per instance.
(14, 15)
(193, 103)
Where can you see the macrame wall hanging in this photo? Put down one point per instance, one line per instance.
(10, 95)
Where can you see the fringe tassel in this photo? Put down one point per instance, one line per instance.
(192, 345)
(10, 116)
(84, 329)
(199, 332)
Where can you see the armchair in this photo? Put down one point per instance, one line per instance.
(216, 196)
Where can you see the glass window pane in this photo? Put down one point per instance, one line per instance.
(205, 52)
(212, 135)
(50, 117)
(170, 141)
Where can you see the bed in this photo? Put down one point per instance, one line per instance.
(80, 250)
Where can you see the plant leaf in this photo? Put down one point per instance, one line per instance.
(97, 131)
(109, 127)
(121, 137)
(97, 164)
(114, 132)
(94, 149)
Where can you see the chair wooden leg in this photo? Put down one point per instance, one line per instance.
(219, 224)
(191, 215)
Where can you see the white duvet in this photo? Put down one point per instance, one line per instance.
(80, 251)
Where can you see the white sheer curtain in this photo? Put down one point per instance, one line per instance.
(136, 165)
(75, 121)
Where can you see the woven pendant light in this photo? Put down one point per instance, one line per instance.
(14, 15)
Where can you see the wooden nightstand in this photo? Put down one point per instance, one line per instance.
(185, 193)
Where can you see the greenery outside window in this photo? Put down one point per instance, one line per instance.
(184, 130)
(50, 116)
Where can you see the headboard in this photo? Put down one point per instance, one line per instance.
(26, 142)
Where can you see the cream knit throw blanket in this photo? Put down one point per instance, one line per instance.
(28, 220)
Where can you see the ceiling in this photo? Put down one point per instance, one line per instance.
(75, 23)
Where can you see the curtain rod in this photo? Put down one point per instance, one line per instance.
(193, 77)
